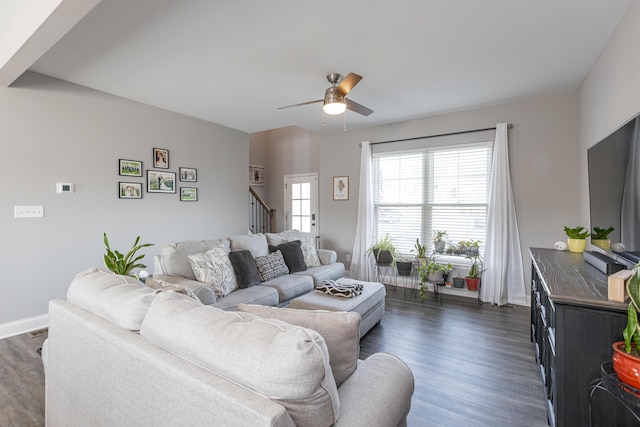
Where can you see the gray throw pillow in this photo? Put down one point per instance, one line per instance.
(293, 256)
(245, 268)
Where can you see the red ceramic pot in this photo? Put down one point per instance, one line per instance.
(626, 366)
(472, 284)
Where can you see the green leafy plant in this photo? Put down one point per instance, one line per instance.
(439, 235)
(124, 263)
(420, 250)
(632, 331)
(601, 233)
(474, 270)
(578, 232)
(384, 244)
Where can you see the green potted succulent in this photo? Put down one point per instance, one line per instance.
(600, 237)
(439, 241)
(421, 252)
(124, 263)
(384, 251)
(577, 238)
(474, 247)
(473, 278)
(626, 359)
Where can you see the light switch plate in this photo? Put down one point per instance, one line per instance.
(28, 211)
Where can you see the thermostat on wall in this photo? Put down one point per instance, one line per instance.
(65, 187)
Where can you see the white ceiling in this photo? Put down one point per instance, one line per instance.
(234, 63)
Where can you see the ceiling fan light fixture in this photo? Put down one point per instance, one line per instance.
(333, 103)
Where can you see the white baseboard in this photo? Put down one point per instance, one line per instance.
(23, 326)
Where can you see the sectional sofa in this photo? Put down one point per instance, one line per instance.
(174, 266)
(120, 353)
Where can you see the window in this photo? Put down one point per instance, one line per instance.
(439, 188)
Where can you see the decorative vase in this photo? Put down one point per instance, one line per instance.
(626, 366)
(458, 282)
(602, 243)
(577, 245)
(404, 267)
(472, 284)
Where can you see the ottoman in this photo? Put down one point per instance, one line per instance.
(369, 304)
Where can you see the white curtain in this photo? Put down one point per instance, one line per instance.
(503, 280)
(362, 265)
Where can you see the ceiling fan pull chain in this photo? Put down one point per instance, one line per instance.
(345, 121)
(323, 117)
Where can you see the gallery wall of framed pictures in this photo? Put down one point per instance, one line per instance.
(158, 180)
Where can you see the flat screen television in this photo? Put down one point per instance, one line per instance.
(614, 188)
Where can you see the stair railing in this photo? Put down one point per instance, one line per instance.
(262, 219)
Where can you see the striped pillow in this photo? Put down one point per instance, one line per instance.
(271, 266)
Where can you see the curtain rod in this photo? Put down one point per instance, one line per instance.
(509, 126)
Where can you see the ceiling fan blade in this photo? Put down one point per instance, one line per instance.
(302, 103)
(358, 108)
(345, 86)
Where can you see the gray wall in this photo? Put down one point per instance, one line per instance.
(52, 131)
(610, 95)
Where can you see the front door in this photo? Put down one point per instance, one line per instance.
(301, 203)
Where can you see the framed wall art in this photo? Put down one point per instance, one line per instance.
(340, 188)
(188, 194)
(129, 167)
(160, 158)
(256, 175)
(161, 182)
(188, 174)
(130, 190)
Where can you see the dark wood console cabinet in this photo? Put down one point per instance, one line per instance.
(573, 326)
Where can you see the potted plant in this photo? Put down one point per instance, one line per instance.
(473, 278)
(626, 359)
(124, 263)
(474, 247)
(404, 265)
(446, 269)
(458, 282)
(421, 252)
(600, 237)
(439, 241)
(384, 251)
(463, 247)
(577, 238)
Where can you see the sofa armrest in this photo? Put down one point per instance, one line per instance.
(377, 394)
(203, 291)
(327, 256)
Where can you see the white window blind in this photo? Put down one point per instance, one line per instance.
(440, 188)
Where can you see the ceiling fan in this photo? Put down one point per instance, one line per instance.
(334, 101)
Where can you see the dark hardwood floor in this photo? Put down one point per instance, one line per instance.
(473, 365)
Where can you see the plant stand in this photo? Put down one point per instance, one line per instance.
(608, 391)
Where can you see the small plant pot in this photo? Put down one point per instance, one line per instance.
(404, 267)
(439, 247)
(626, 366)
(383, 257)
(458, 282)
(472, 284)
(577, 245)
(435, 277)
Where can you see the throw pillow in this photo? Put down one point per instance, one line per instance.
(308, 245)
(340, 330)
(271, 266)
(289, 364)
(166, 286)
(245, 268)
(214, 268)
(293, 256)
(255, 243)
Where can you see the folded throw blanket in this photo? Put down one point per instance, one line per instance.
(345, 290)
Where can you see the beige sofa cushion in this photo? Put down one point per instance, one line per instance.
(340, 331)
(286, 363)
(174, 255)
(122, 300)
(254, 243)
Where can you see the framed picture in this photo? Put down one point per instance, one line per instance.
(129, 167)
(160, 158)
(161, 182)
(188, 194)
(256, 175)
(130, 190)
(340, 188)
(188, 174)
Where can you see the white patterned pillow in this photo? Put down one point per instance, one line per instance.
(271, 266)
(215, 268)
(308, 246)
